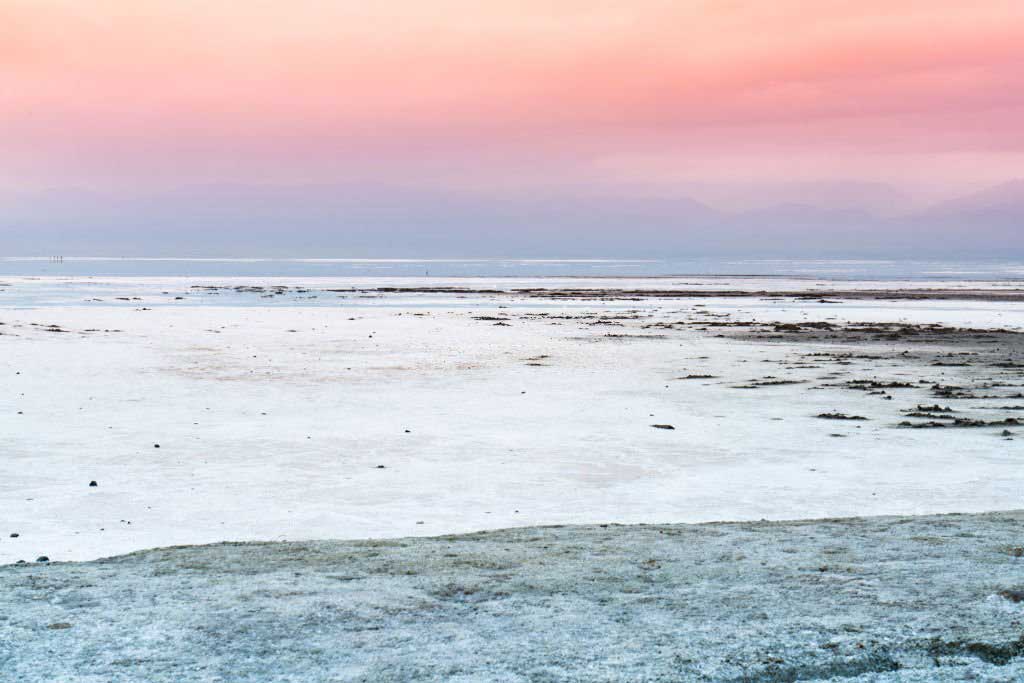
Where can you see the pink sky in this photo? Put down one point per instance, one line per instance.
(508, 96)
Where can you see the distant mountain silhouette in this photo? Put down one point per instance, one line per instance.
(1005, 197)
(376, 222)
(988, 222)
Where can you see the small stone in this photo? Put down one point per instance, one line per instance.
(59, 626)
(15, 535)
(156, 445)
(1012, 595)
(93, 483)
(42, 558)
(380, 467)
(663, 426)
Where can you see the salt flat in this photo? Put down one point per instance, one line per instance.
(263, 410)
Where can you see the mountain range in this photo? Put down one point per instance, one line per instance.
(373, 222)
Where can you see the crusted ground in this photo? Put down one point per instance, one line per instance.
(877, 599)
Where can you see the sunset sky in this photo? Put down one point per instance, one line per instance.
(889, 105)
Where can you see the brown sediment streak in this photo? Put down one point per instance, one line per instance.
(821, 296)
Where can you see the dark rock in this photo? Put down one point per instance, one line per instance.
(42, 558)
(840, 416)
(933, 409)
(663, 426)
(93, 483)
(59, 626)
(1012, 595)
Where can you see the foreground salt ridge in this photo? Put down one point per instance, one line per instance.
(272, 421)
(908, 599)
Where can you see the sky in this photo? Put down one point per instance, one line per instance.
(493, 121)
